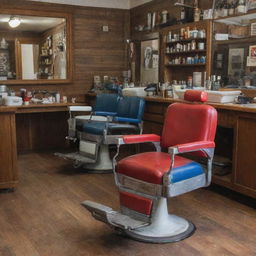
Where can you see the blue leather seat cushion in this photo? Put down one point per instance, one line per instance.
(96, 128)
(152, 166)
(185, 172)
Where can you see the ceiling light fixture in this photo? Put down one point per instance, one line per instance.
(14, 22)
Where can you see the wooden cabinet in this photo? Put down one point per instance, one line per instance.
(245, 154)
(187, 49)
(8, 154)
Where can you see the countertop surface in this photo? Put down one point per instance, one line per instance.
(53, 107)
(250, 108)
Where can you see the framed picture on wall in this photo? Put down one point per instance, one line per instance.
(252, 51)
(235, 60)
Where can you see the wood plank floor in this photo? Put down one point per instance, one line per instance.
(43, 217)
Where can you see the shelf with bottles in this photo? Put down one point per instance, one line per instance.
(185, 35)
(236, 29)
(46, 58)
(248, 39)
(46, 61)
(186, 40)
(233, 12)
(185, 52)
(186, 49)
(187, 61)
(186, 65)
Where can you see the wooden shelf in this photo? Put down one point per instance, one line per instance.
(186, 52)
(249, 39)
(186, 65)
(236, 19)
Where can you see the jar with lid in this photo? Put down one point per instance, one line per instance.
(190, 82)
(189, 47)
(193, 45)
(169, 39)
(187, 33)
(197, 13)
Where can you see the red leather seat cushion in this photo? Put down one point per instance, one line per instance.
(149, 166)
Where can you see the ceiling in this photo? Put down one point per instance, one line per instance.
(119, 4)
(30, 23)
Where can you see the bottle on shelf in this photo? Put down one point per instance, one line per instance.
(182, 14)
(232, 7)
(190, 82)
(225, 8)
(241, 7)
(197, 11)
(197, 14)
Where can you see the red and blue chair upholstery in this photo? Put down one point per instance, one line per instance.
(146, 180)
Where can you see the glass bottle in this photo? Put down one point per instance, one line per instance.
(241, 7)
(197, 14)
(231, 10)
(182, 14)
(225, 9)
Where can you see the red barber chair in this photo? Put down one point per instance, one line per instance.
(146, 180)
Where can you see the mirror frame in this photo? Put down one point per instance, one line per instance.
(137, 39)
(69, 51)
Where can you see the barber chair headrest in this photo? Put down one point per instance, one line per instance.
(195, 95)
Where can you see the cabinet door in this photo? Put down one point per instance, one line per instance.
(245, 171)
(8, 151)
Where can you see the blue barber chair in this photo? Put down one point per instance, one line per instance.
(97, 136)
(111, 117)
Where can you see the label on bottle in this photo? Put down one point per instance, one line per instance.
(241, 9)
(196, 15)
(182, 14)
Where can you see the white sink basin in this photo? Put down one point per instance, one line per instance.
(135, 91)
(215, 96)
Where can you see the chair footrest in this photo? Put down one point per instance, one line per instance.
(76, 156)
(114, 218)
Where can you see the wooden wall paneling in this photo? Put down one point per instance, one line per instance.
(8, 154)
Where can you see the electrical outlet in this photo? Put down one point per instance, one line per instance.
(105, 28)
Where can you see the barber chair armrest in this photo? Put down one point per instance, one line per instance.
(142, 138)
(80, 108)
(127, 119)
(133, 139)
(207, 147)
(190, 147)
(104, 113)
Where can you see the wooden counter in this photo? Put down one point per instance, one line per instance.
(235, 139)
(29, 128)
(8, 152)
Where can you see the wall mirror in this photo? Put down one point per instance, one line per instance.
(35, 48)
(144, 56)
